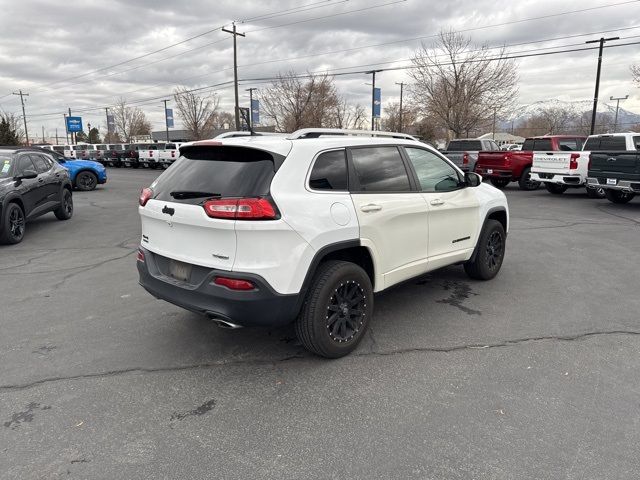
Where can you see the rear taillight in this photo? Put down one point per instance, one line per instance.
(234, 283)
(573, 161)
(150, 153)
(145, 195)
(465, 158)
(241, 208)
(173, 154)
(507, 159)
(140, 256)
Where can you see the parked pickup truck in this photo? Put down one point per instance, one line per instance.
(169, 154)
(149, 154)
(463, 152)
(614, 165)
(515, 166)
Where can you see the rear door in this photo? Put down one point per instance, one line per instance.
(46, 177)
(33, 195)
(453, 208)
(174, 221)
(392, 215)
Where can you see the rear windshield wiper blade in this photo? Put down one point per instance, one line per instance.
(182, 194)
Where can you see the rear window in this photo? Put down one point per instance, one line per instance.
(330, 172)
(537, 145)
(605, 143)
(460, 145)
(117, 148)
(228, 172)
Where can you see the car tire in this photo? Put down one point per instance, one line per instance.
(525, 181)
(555, 188)
(596, 192)
(500, 182)
(65, 210)
(14, 224)
(616, 196)
(86, 181)
(489, 252)
(328, 324)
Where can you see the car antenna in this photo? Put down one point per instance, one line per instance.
(246, 120)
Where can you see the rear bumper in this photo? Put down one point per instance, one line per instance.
(570, 180)
(622, 185)
(259, 307)
(495, 172)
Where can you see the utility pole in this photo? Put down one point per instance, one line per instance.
(617, 99)
(401, 90)
(235, 69)
(373, 98)
(73, 141)
(250, 90)
(42, 133)
(166, 120)
(56, 135)
(24, 115)
(494, 124)
(595, 98)
(106, 112)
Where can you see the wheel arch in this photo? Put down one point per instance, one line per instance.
(8, 200)
(350, 251)
(495, 213)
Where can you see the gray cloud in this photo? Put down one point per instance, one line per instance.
(44, 43)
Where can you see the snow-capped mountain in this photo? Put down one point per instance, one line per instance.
(626, 119)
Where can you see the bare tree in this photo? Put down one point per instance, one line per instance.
(461, 85)
(348, 116)
(222, 120)
(391, 121)
(11, 132)
(550, 121)
(196, 112)
(292, 102)
(604, 123)
(635, 72)
(129, 121)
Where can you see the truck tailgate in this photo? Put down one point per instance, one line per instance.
(553, 162)
(492, 159)
(615, 165)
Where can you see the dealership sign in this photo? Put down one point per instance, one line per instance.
(74, 124)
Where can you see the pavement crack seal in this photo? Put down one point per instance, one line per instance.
(299, 356)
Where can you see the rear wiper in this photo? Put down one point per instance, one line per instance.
(183, 194)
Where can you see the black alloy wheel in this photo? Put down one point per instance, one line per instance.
(495, 250)
(14, 224)
(490, 250)
(86, 181)
(346, 311)
(595, 192)
(618, 196)
(500, 182)
(65, 210)
(525, 181)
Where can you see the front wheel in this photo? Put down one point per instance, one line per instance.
(14, 223)
(337, 309)
(616, 196)
(525, 181)
(555, 188)
(489, 252)
(500, 182)
(65, 210)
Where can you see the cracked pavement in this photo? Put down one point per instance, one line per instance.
(531, 375)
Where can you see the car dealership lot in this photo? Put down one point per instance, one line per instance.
(531, 375)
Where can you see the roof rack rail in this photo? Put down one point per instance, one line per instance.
(318, 132)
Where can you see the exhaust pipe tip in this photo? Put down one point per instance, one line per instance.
(225, 324)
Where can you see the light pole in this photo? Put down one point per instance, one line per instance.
(595, 97)
(235, 34)
(400, 115)
(166, 119)
(373, 98)
(617, 99)
(250, 90)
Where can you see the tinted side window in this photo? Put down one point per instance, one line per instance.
(380, 169)
(40, 163)
(606, 143)
(24, 164)
(329, 172)
(434, 174)
(567, 144)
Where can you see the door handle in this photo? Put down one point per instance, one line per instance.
(437, 202)
(41, 180)
(372, 207)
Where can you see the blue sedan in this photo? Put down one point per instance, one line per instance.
(85, 174)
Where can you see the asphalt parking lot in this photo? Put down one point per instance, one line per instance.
(532, 375)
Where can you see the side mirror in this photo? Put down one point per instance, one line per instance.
(27, 175)
(472, 179)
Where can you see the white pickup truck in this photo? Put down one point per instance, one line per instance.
(169, 154)
(566, 169)
(149, 155)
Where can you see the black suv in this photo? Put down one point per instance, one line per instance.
(31, 184)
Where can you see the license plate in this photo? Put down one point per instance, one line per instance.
(612, 181)
(489, 171)
(179, 270)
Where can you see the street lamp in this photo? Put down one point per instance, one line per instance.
(617, 99)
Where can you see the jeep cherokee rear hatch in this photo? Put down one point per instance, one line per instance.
(189, 213)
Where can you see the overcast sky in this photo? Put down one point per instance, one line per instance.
(48, 48)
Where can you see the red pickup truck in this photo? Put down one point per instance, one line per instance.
(515, 165)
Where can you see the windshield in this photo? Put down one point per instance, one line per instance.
(5, 166)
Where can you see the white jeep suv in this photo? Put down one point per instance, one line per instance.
(263, 230)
